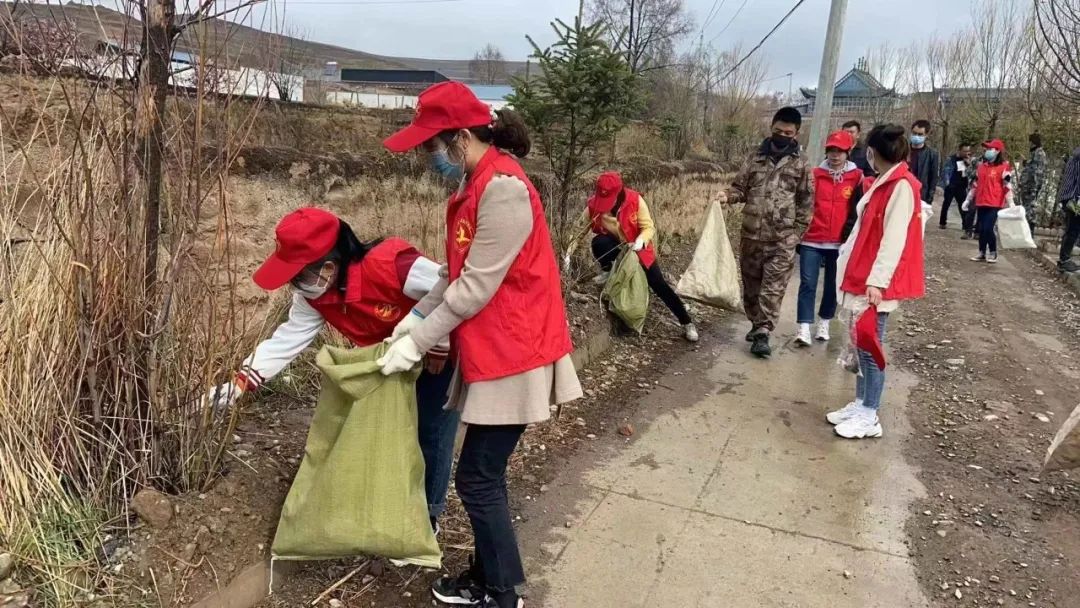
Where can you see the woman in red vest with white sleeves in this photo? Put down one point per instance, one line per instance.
(617, 215)
(504, 312)
(881, 264)
(991, 191)
(837, 188)
(363, 290)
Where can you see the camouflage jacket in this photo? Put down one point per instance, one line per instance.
(1034, 175)
(779, 195)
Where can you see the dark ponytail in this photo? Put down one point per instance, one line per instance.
(889, 143)
(347, 251)
(508, 132)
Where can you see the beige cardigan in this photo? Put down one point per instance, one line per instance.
(503, 224)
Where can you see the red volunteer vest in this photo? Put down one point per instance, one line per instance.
(628, 223)
(523, 326)
(908, 282)
(831, 202)
(373, 302)
(990, 185)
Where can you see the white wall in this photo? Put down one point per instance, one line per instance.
(246, 82)
(386, 101)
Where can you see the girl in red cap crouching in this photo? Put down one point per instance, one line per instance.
(991, 191)
(880, 265)
(837, 190)
(617, 215)
(503, 309)
(363, 290)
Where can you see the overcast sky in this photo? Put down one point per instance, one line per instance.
(455, 29)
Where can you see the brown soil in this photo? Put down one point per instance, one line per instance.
(218, 534)
(993, 526)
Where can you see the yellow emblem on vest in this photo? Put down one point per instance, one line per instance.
(386, 312)
(463, 235)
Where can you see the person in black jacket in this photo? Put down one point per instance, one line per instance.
(925, 162)
(954, 181)
(858, 153)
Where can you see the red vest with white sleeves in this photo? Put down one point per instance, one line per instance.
(523, 326)
(908, 282)
(628, 223)
(990, 184)
(373, 301)
(831, 202)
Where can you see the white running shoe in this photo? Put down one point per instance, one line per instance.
(803, 337)
(601, 278)
(862, 424)
(822, 331)
(690, 332)
(844, 413)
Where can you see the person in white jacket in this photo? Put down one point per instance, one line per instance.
(363, 290)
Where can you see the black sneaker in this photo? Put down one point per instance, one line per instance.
(750, 334)
(942, 226)
(460, 590)
(967, 236)
(435, 525)
(991, 258)
(1068, 266)
(760, 347)
(511, 600)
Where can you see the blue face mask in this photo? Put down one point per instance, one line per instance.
(990, 154)
(917, 140)
(440, 163)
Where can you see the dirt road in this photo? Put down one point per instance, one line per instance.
(735, 492)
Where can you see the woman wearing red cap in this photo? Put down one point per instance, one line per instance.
(503, 309)
(880, 265)
(363, 290)
(991, 191)
(619, 215)
(837, 189)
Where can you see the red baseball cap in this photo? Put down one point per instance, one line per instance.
(995, 144)
(840, 139)
(447, 105)
(304, 237)
(608, 187)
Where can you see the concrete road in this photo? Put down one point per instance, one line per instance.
(735, 492)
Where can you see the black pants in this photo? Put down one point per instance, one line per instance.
(481, 485)
(1072, 234)
(605, 249)
(987, 221)
(951, 196)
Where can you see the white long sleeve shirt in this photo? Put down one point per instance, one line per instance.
(292, 337)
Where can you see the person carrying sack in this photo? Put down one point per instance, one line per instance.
(504, 310)
(363, 290)
(617, 215)
(991, 192)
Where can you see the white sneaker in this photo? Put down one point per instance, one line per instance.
(822, 331)
(863, 423)
(601, 278)
(843, 414)
(690, 332)
(803, 337)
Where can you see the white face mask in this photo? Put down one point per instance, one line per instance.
(313, 285)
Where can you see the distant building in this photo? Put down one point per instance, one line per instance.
(404, 79)
(856, 94)
(492, 94)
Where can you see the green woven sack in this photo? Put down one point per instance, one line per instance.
(627, 291)
(360, 487)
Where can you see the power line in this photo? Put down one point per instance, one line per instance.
(760, 44)
(713, 12)
(730, 21)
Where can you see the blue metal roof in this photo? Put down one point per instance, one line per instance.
(491, 92)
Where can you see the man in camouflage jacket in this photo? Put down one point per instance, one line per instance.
(777, 188)
(1033, 178)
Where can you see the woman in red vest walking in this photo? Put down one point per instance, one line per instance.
(618, 215)
(504, 312)
(362, 290)
(881, 264)
(991, 191)
(837, 189)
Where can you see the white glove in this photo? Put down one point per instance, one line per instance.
(223, 397)
(406, 325)
(639, 244)
(967, 205)
(402, 356)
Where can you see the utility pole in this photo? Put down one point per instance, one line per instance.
(819, 128)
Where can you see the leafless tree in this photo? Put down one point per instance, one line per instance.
(1057, 38)
(997, 60)
(488, 66)
(892, 67)
(643, 30)
(291, 59)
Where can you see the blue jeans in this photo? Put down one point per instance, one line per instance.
(810, 260)
(871, 380)
(436, 429)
